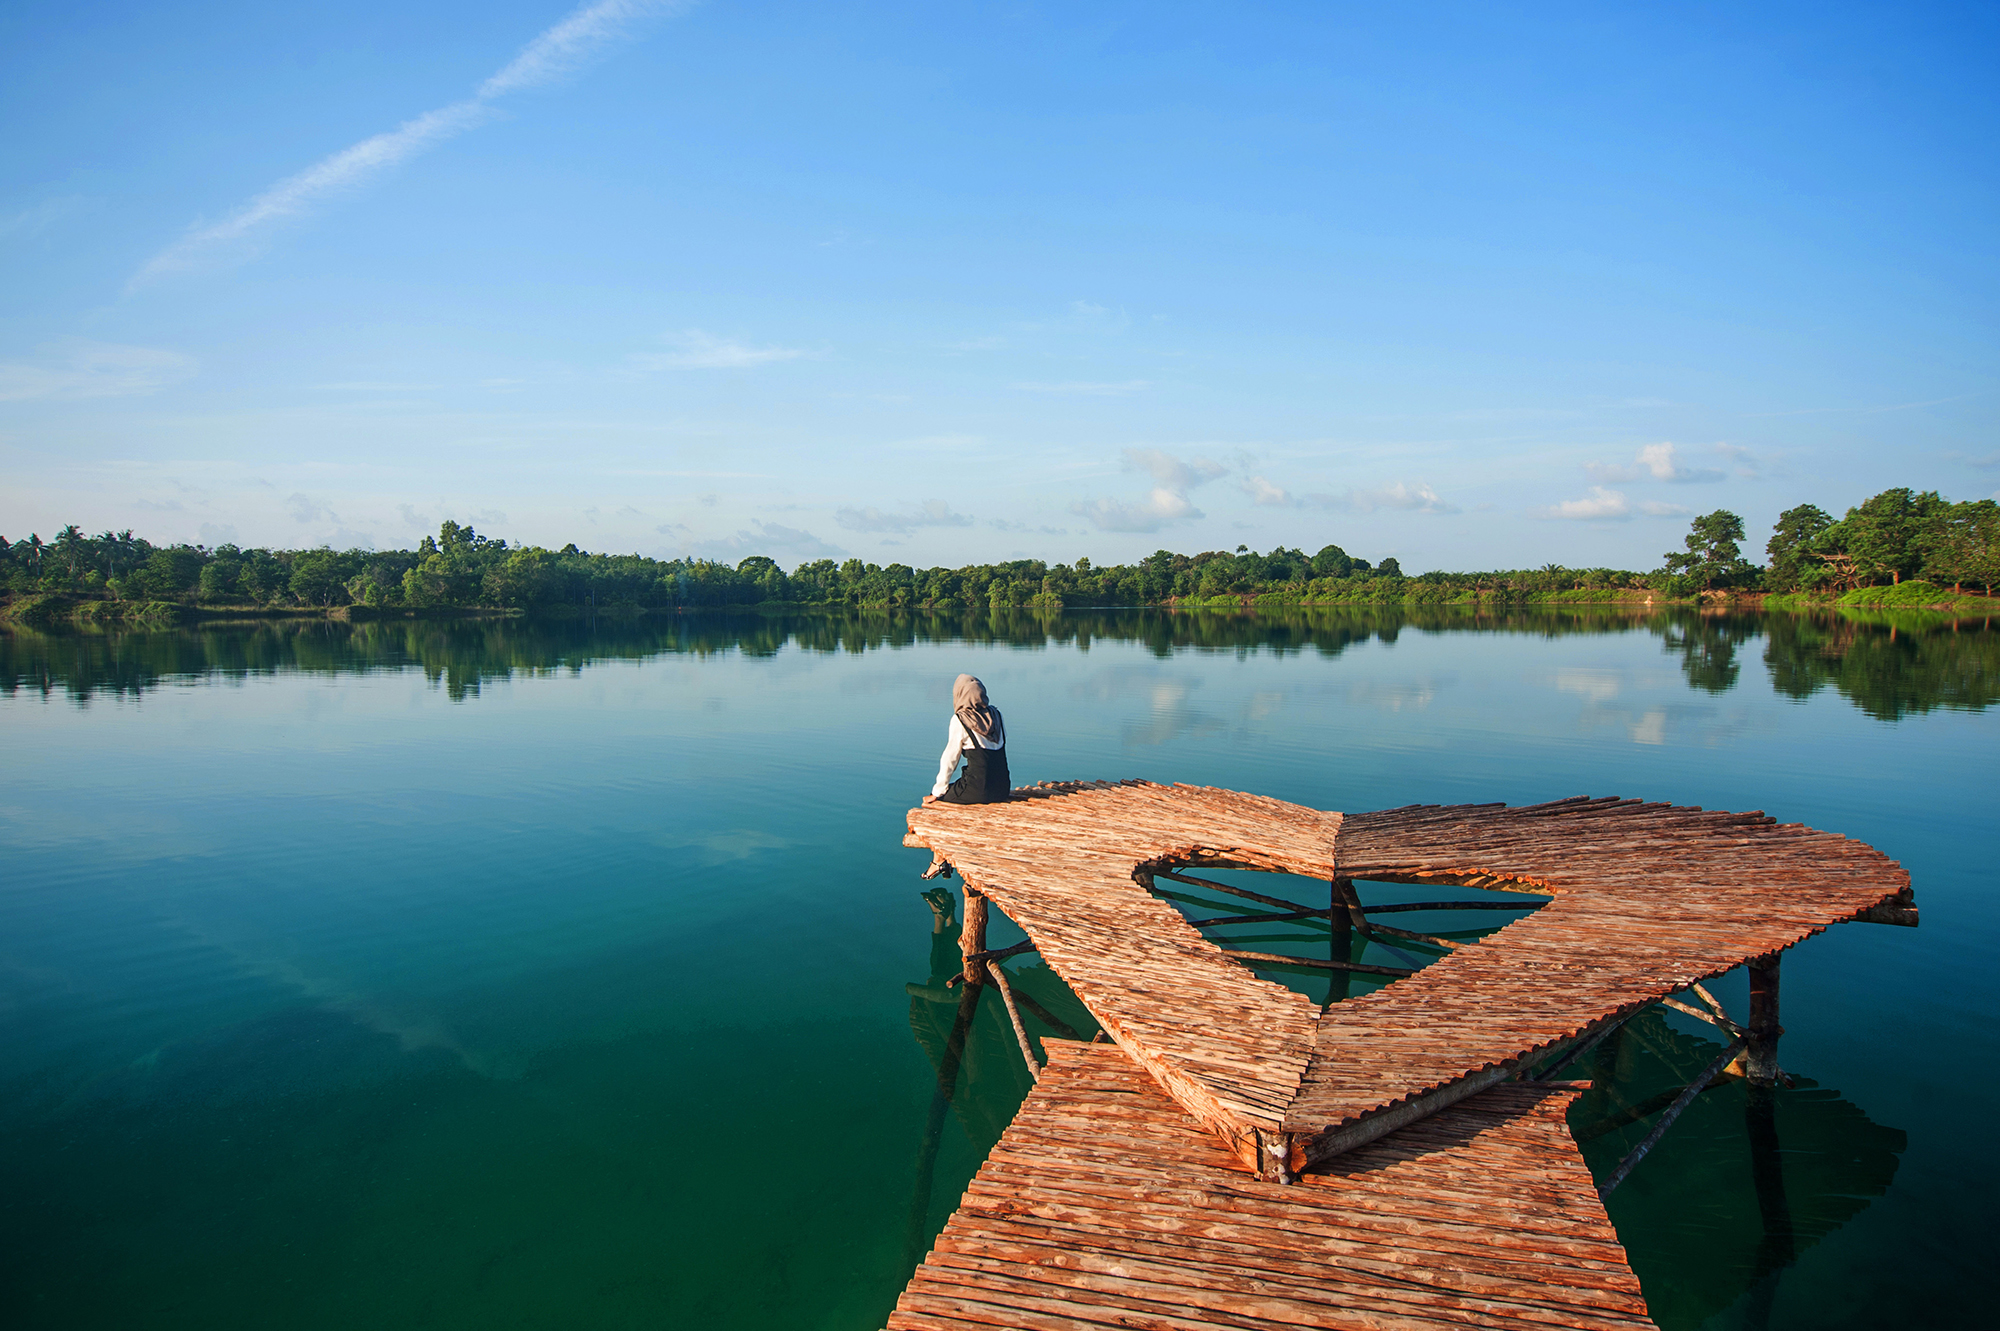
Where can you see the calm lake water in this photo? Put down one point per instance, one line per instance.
(565, 975)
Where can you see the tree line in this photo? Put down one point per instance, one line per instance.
(1895, 536)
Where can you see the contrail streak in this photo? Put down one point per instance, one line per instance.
(556, 52)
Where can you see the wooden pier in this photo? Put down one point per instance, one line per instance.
(1645, 901)
(1104, 1204)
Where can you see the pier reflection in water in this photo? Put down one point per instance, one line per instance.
(1743, 1183)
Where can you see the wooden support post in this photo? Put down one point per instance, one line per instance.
(1760, 1056)
(1344, 895)
(1342, 944)
(972, 940)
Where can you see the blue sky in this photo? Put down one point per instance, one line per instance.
(935, 284)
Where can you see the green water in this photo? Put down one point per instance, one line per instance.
(498, 974)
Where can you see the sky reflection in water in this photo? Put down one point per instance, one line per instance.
(556, 974)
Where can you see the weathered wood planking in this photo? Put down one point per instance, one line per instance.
(1648, 898)
(1105, 1206)
(1229, 1047)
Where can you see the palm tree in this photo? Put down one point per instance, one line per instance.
(35, 548)
(69, 541)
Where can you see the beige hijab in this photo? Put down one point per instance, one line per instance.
(968, 699)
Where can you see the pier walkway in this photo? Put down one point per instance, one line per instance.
(1648, 899)
(1431, 1188)
(1105, 1205)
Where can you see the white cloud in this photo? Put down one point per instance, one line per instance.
(1171, 471)
(218, 533)
(1158, 509)
(1401, 496)
(555, 52)
(1263, 493)
(770, 539)
(933, 513)
(1600, 504)
(1168, 500)
(1605, 505)
(696, 350)
(1659, 462)
(1119, 389)
(1664, 463)
(81, 369)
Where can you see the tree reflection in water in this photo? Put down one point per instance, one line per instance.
(1889, 664)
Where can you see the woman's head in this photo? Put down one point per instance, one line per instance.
(968, 700)
(967, 691)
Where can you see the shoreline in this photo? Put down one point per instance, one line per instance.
(58, 610)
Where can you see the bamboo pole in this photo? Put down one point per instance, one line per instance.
(1225, 887)
(1014, 1015)
(1063, 1030)
(1582, 1047)
(1720, 1022)
(1685, 1099)
(1245, 954)
(1005, 952)
(1454, 905)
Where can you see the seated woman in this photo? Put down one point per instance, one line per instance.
(979, 735)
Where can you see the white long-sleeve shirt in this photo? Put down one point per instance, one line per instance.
(957, 739)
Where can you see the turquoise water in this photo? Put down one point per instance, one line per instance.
(516, 975)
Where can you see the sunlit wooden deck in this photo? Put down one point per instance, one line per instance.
(1105, 1205)
(1648, 899)
(1434, 1189)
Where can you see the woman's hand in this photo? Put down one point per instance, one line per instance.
(930, 799)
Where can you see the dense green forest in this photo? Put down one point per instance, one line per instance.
(1895, 536)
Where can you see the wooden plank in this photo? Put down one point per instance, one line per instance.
(1150, 1225)
(1647, 898)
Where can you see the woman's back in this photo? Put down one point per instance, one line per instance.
(979, 736)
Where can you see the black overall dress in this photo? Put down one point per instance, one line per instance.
(985, 779)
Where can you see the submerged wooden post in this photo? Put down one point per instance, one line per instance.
(1760, 1056)
(1340, 918)
(972, 939)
